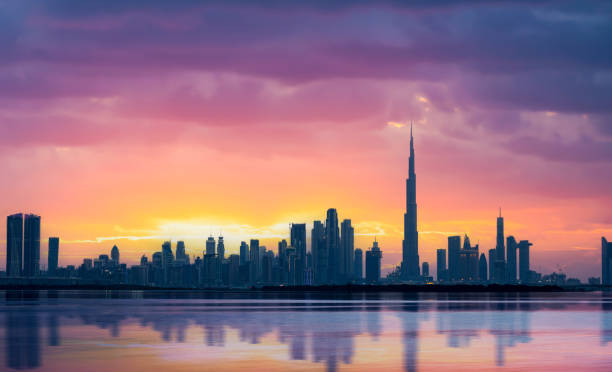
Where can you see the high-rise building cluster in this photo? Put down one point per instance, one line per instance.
(466, 264)
(23, 245)
(332, 258)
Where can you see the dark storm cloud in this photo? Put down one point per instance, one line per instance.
(528, 55)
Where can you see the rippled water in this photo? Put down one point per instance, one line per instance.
(133, 331)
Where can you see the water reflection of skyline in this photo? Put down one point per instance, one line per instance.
(323, 332)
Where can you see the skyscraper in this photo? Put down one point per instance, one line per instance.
(31, 245)
(167, 256)
(410, 245)
(425, 271)
(606, 262)
(500, 253)
(282, 250)
(441, 265)
(320, 257)
(115, 255)
(244, 253)
(221, 248)
(210, 246)
(298, 241)
(482, 268)
(254, 261)
(358, 269)
(181, 256)
(492, 258)
(347, 250)
(523, 247)
(511, 259)
(373, 257)
(332, 241)
(468, 261)
(52, 256)
(14, 244)
(454, 254)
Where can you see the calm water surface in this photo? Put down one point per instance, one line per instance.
(138, 331)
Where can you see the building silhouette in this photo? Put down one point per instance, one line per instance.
(347, 251)
(244, 253)
(468, 261)
(358, 269)
(14, 244)
(332, 241)
(31, 245)
(180, 255)
(410, 244)
(425, 270)
(524, 272)
(320, 256)
(482, 268)
(454, 253)
(492, 258)
(254, 261)
(606, 262)
(115, 255)
(500, 253)
(373, 258)
(167, 255)
(511, 259)
(297, 236)
(210, 246)
(298, 239)
(441, 271)
(220, 248)
(52, 256)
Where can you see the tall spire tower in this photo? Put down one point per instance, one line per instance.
(410, 245)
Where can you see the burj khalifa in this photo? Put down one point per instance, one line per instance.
(410, 245)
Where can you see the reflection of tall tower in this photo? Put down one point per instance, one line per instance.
(410, 338)
(22, 339)
(606, 320)
(510, 328)
(53, 333)
(410, 245)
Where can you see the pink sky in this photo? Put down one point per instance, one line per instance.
(143, 122)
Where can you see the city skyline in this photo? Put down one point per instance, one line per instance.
(330, 260)
(127, 123)
(282, 185)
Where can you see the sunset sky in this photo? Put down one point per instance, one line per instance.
(132, 122)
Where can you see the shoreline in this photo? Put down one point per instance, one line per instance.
(352, 288)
